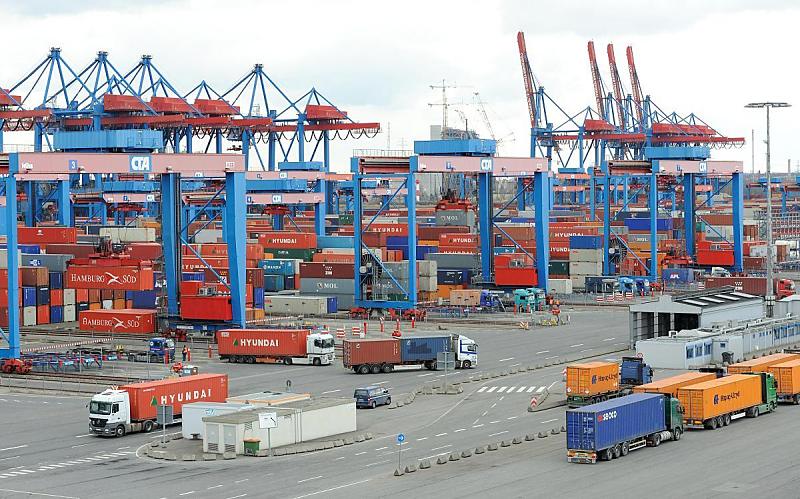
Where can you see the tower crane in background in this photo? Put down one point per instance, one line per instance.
(636, 88)
(622, 119)
(530, 84)
(481, 105)
(598, 85)
(444, 104)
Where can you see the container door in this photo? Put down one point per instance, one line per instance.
(213, 437)
(584, 430)
(229, 433)
(695, 409)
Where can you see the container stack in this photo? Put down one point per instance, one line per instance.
(329, 279)
(585, 259)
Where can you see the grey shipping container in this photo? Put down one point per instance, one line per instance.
(455, 260)
(423, 348)
(53, 263)
(327, 286)
(455, 217)
(585, 268)
(585, 255)
(306, 305)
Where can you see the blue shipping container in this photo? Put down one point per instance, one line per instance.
(193, 276)
(599, 426)
(424, 348)
(333, 304)
(274, 283)
(28, 297)
(396, 241)
(83, 306)
(56, 315)
(681, 276)
(31, 249)
(501, 250)
(43, 296)
(662, 224)
(56, 280)
(277, 266)
(144, 299)
(258, 297)
(585, 242)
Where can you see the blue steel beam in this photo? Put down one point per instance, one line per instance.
(236, 239)
(64, 204)
(411, 204)
(485, 215)
(653, 226)
(12, 330)
(541, 195)
(688, 212)
(737, 197)
(170, 223)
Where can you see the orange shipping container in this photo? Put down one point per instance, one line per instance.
(761, 364)
(787, 374)
(729, 394)
(592, 378)
(670, 385)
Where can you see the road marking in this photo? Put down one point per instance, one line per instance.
(421, 439)
(339, 458)
(440, 434)
(423, 375)
(541, 389)
(506, 360)
(511, 389)
(552, 357)
(576, 345)
(188, 493)
(79, 445)
(242, 480)
(531, 389)
(333, 488)
(361, 453)
(482, 389)
(87, 435)
(309, 479)
(376, 464)
(551, 385)
(609, 339)
(37, 494)
(512, 417)
(493, 422)
(492, 389)
(8, 458)
(15, 447)
(543, 351)
(431, 457)
(548, 421)
(442, 447)
(477, 425)
(214, 487)
(484, 413)
(330, 391)
(521, 389)
(236, 497)
(460, 429)
(381, 383)
(382, 448)
(498, 433)
(123, 448)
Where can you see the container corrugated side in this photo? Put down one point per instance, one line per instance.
(263, 342)
(761, 364)
(146, 397)
(710, 399)
(423, 348)
(670, 385)
(592, 378)
(370, 351)
(599, 426)
(787, 375)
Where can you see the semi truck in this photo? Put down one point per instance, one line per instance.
(761, 364)
(610, 429)
(287, 346)
(713, 404)
(366, 356)
(134, 408)
(753, 285)
(669, 386)
(787, 376)
(157, 348)
(592, 382)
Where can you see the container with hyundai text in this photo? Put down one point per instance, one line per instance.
(287, 346)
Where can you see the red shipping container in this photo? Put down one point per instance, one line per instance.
(119, 304)
(76, 250)
(125, 278)
(334, 258)
(4, 297)
(146, 397)
(34, 276)
(44, 235)
(432, 232)
(43, 314)
(87, 295)
(213, 308)
(389, 228)
(370, 351)
(211, 278)
(4, 316)
(126, 321)
(515, 277)
(194, 264)
(191, 288)
(262, 342)
(463, 240)
(145, 251)
(327, 270)
(56, 297)
(4, 279)
(288, 240)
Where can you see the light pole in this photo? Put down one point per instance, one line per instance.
(770, 298)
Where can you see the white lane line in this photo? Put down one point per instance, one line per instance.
(459, 430)
(493, 422)
(548, 421)
(123, 448)
(576, 345)
(214, 487)
(333, 488)
(543, 351)
(551, 357)
(188, 493)
(512, 417)
(330, 391)
(339, 458)
(541, 389)
(551, 385)
(440, 434)
(376, 464)
(9, 458)
(380, 383)
(521, 389)
(531, 389)
(492, 389)
(506, 360)
(477, 425)
(242, 480)
(421, 439)
(511, 389)
(442, 447)
(494, 405)
(309, 479)
(236, 497)
(361, 453)
(482, 389)
(609, 339)
(498, 433)
(79, 445)
(89, 435)
(15, 447)
(484, 413)
(476, 421)
(423, 375)
(42, 494)
(501, 389)
(382, 448)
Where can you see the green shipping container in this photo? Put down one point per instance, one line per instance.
(345, 219)
(301, 254)
(559, 267)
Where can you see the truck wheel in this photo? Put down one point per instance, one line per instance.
(387, 368)
(147, 426)
(363, 369)
(131, 358)
(119, 431)
(316, 361)
(375, 369)
(676, 434)
(625, 448)
(712, 423)
(287, 361)
(466, 364)
(796, 400)
(657, 440)
(756, 412)
(726, 419)
(617, 451)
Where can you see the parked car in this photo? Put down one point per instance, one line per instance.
(372, 396)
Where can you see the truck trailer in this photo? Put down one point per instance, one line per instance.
(133, 408)
(288, 346)
(712, 404)
(753, 285)
(365, 356)
(670, 385)
(787, 376)
(610, 429)
(592, 382)
(761, 364)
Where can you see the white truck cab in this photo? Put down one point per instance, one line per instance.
(466, 352)
(319, 349)
(110, 411)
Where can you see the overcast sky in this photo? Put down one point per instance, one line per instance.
(377, 60)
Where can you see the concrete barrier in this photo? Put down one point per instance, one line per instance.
(338, 443)
(542, 435)
(492, 447)
(505, 443)
(411, 468)
(424, 464)
(466, 453)
(398, 472)
(441, 460)
(209, 457)
(368, 436)
(349, 441)
(555, 431)
(454, 456)
(173, 457)
(530, 437)
(480, 450)
(359, 438)
(516, 440)
(228, 455)
(189, 457)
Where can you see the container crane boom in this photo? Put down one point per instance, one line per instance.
(598, 92)
(527, 76)
(615, 80)
(636, 88)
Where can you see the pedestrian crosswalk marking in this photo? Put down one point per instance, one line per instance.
(51, 467)
(511, 389)
(492, 389)
(540, 390)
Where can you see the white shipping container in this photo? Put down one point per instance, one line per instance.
(69, 297)
(4, 258)
(28, 316)
(578, 282)
(585, 268)
(586, 255)
(108, 304)
(559, 286)
(208, 236)
(69, 313)
(426, 283)
(130, 234)
(307, 305)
